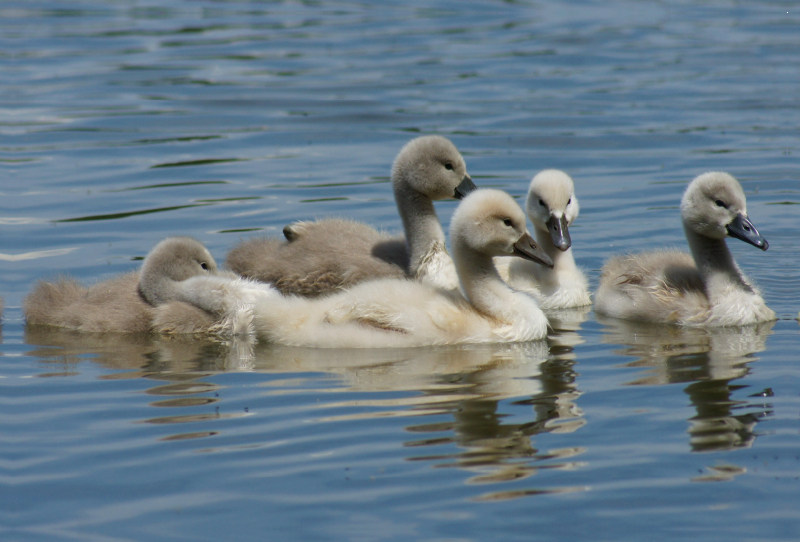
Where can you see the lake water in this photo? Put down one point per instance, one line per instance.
(125, 121)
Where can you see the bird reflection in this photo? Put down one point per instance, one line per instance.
(489, 400)
(710, 360)
(143, 354)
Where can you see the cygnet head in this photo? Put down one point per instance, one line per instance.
(714, 206)
(172, 260)
(432, 166)
(552, 205)
(490, 223)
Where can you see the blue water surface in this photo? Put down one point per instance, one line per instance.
(126, 121)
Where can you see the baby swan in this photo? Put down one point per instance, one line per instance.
(140, 301)
(551, 207)
(404, 313)
(179, 270)
(704, 289)
(329, 255)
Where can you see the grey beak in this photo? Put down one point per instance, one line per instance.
(559, 232)
(741, 228)
(464, 187)
(527, 248)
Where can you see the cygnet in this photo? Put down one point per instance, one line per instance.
(402, 313)
(329, 255)
(140, 301)
(705, 288)
(552, 207)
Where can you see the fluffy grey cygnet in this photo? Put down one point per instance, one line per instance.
(705, 288)
(140, 301)
(328, 255)
(552, 207)
(393, 312)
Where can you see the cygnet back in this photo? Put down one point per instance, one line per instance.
(329, 255)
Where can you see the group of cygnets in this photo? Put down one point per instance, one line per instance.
(341, 283)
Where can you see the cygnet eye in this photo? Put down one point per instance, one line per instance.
(204, 265)
(721, 203)
(508, 222)
(569, 201)
(541, 202)
(448, 166)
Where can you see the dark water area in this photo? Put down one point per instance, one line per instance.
(123, 122)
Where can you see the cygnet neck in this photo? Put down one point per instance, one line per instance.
(562, 260)
(714, 261)
(422, 227)
(156, 289)
(481, 283)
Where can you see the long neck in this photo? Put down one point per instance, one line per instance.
(714, 261)
(482, 284)
(156, 290)
(420, 222)
(562, 260)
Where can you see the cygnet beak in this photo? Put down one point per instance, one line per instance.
(742, 228)
(527, 248)
(464, 187)
(559, 232)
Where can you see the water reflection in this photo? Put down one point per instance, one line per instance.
(490, 401)
(710, 360)
(495, 399)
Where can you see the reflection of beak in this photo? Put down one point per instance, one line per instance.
(742, 228)
(559, 232)
(527, 248)
(464, 187)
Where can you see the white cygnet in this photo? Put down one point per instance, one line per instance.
(329, 255)
(403, 313)
(705, 288)
(552, 207)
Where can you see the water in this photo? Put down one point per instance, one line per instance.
(127, 121)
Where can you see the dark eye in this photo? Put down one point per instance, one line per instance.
(721, 203)
(541, 202)
(204, 265)
(569, 201)
(508, 222)
(448, 166)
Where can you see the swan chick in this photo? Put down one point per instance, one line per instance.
(180, 279)
(705, 288)
(551, 206)
(332, 254)
(151, 299)
(401, 313)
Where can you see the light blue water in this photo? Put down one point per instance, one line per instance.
(126, 121)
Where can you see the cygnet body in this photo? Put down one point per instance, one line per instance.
(403, 313)
(705, 288)
(329, 255)
(112, 306)
(180, 270)
(141, 301)
(551, 206)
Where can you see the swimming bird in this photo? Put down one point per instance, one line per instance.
(551, 206)
(141, 301)
(705, 288)
(113, 305)
(329, 255)
(393, 312)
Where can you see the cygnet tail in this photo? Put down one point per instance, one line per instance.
(49, 298)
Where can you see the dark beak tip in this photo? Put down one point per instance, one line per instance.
(464, 188)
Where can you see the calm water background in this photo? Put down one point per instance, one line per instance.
(125, 121)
